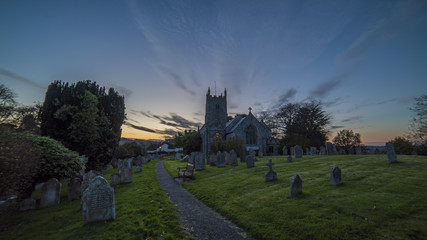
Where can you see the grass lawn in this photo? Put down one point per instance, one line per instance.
(143, 211)
(376, 201)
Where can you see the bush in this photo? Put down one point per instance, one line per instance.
(227, 145)
(129, 149)
(402, 145)
(27, 159)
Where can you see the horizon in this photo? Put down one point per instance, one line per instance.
(365, 60)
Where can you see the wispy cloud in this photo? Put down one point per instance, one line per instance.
(324, 88)
(18, 78)
(141, 128)
(126, 92)
(174, 78)
(352, 119)
(336, 127)
(284, 98)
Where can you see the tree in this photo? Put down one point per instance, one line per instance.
(402, 145)
(190, 141)
(27, 159)
(129, 149)
(302, 123)
(347, 139)
(84, 118)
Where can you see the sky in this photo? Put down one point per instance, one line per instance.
(365, 60)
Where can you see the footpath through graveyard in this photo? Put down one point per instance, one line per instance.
(199, 220)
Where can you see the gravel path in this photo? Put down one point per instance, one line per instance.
(199, 220)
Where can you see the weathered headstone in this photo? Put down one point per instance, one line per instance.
(125, 171)
(330, 149)
(199, 162)
(220, 160)
(250, 161)
(89, 176)
(27, 204)
(285, 150)
(296, 186)
(260, 154)
(98, 201)
(298, 151)
(212, 160)
(307, 151)
(74, 189)
(336, 178)
(50, 193)
(313, 150)
(138, 169)
(233, 158)
(289, 159)
(252, 152)
(185, 158)
(270, 175)
(178, 156)
(293, 151)
(391, 155)
(227, 158)
(115, 179)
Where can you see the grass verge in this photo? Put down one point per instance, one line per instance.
(143, 211)
(376, 201)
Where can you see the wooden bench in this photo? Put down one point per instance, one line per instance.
(187, 171)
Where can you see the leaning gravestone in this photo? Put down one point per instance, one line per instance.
(74, 189)
(391, 155)
(199, 162)
(270, 175)
(250, 161)
(50, 193)
(27, 204)
(233, 158)
(115, 179)
(296, 186)
(98, 201)
(285, 150)
(336, 178)
(298, 151)
(220, 160)
(289, 159)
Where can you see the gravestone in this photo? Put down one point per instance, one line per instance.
(313, 150)
(125, 171)
(50, 193)
(270, 175)
(27, 204)
(89, 176)
(178, 156)
(322, 150)
(252, 152)
(307, 151)
(98, 201)
(74, 189)
(185, 158)
(296, 186)
(250, 161)
(227, 158)
(138, 169)
(243, 155)
(331, 149)
(193, 157)
(298, 151)
(233, 158)
(199, 162)
(293, 151)
(220, 160)
(289, 159)
(212, 160)
(391, 155)
(260, 154)
(336, 178)
(285, 150)
(115, 179)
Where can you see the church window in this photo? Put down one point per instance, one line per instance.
(251, 135)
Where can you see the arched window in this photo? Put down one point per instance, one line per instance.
(251, 135)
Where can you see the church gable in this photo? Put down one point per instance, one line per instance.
(250, 130)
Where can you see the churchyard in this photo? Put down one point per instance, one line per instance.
(142, 210)
(376, 200)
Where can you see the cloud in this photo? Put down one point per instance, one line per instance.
(15, 77)
(352, 119)
(284, 98)
(126, 92)
(141, 128)
(403, 14)
(336, 127)
(174, 78)
(324, 88)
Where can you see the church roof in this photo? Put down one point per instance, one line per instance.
(234, 123)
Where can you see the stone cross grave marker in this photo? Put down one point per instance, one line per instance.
(296, 186)
(270, 175)
(336, 178)
(98, 201)
(391, 155)
(74, 189)
(50, 193)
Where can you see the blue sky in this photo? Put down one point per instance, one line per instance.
(366, 60)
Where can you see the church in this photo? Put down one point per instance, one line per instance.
(255, 134)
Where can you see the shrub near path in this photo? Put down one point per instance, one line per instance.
(143, 211)
(376, 201)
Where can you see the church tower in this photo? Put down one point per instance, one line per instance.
(216, 111)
